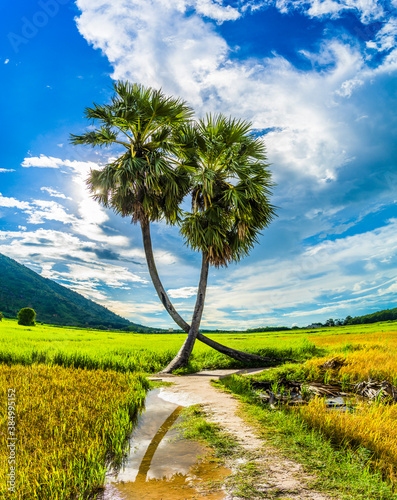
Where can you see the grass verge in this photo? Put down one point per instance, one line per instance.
(243, 480)
(196, 427)
(341, 470)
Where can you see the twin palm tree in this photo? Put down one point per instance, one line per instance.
(166, 157)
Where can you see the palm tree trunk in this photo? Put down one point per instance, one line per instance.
(182, 358)
(147, 245)
(233, 353)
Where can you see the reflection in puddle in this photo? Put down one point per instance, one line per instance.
(159, 465)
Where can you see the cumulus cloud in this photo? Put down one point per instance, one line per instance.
(90, 215)
(145, 312)
(321, 125)
(13, 203)
(155, 43)
(41, 210)
(44, 161)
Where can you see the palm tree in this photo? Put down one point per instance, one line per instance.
(148, 181)
(230, 201)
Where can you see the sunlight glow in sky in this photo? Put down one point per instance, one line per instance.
(316, 78)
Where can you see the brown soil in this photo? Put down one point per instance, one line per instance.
(279, 477)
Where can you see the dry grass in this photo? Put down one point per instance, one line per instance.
(372, 427)
(69, 424)
(373, 355)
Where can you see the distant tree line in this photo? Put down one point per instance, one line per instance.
(385, 315)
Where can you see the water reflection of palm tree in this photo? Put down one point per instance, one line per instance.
(154, 444)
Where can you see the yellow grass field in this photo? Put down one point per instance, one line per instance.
(371, 356)
(66, 425)
(372, 427)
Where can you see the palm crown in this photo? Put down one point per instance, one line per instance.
(230, 188)
(145, 181)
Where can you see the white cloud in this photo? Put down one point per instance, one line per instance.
(13, 203)
(315, 312)
(386, 37)
(69, 260)
(366, 10)
(44, 161)
(182, 293)
(91, 212)
(149, 37)
(2, 170)
(54, 193)
(112, 276)
(390, 290)
(90, 215)
(6, 61)
(215, 10)
(41, 210)
(155, 44)
(347, 87)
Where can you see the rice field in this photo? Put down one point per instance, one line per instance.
(129, 352)
(374, 356)
(363, 352)
(371, 427)
(60, 427)
(77, 391)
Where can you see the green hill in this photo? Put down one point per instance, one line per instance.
(384, 315)
(53, 303)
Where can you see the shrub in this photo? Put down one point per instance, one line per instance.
(26, 316)
(1, 316)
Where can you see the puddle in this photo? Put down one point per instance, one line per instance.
(159, 464)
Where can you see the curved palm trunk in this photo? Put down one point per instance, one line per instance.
(147, 245)
(233, 353)
(182, 358)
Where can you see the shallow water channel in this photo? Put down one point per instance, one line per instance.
(160, 465)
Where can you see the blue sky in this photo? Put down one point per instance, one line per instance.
(316, 78)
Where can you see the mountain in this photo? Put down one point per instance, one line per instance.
(54, 304)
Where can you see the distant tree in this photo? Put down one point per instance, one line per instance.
(330, 322)
(26, 317)
(348, 320)
(1, 316)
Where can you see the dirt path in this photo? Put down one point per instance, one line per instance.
(279, 477)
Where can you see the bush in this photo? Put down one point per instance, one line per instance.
(26, 317)
(1, 316)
